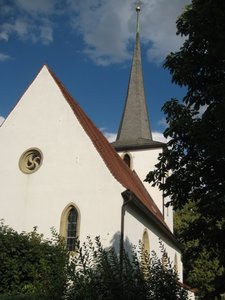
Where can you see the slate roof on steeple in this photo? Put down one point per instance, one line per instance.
(134, 130)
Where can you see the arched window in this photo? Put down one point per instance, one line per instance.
(71, 229)
(145, 252)
(69, 226)
(175, 265)
(127, 159)
(145, 242)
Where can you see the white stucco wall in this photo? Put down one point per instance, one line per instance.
(143, 161)
(72, 169)
(136, 223)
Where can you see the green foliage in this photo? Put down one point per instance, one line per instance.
(194, 157)
(31, 267)
(202, 267)
(195, 151)
(97, 273)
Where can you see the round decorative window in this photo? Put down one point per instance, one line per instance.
(30, 161)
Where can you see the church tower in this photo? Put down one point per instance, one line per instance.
(134, 141)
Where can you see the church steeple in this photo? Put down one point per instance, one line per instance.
(134, 130)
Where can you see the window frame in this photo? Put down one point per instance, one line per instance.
(64, 223)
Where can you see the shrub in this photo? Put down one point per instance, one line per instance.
(97, 273)
(31, 267)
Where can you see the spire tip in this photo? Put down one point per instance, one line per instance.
(138, 8)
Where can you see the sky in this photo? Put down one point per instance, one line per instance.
(88, 44)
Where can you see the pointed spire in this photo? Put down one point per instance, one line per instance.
(134, 131)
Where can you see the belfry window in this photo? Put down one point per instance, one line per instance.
(127, 159)
(71, 229)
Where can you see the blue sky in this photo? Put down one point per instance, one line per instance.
(88, 44)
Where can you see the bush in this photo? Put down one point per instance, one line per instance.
(97, 273)
(31, 267)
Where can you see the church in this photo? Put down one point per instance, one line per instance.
(58, 170)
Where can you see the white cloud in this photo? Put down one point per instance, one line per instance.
(162, 122)
(107, 27)
(28, 20)
(156, 135)
(21, 27)
(159, 27)
(2, 119)
(4, 57)
(4, 35)
(110, 136)
(104, 26)
(159, 137)
(36, 7)
(46, 34)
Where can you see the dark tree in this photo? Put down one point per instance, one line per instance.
(193, 164)
(202, 265)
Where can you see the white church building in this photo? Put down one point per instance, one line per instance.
(58, 170)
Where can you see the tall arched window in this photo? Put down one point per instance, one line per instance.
(145, 242)
(71, 229)
(175, 264)
(127, 159)
(145, 252)
(69, 226)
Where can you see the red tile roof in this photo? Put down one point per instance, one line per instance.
(115, 164)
